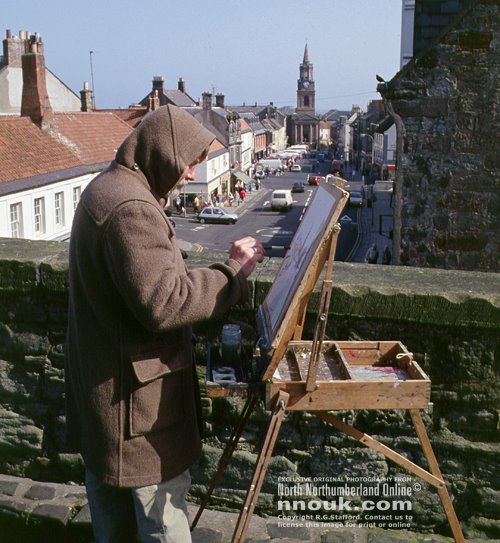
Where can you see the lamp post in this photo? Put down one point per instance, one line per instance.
(372, 196)
(373, 144)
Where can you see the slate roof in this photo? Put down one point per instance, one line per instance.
(213, 121)
(335, 114)
(171, 96)
(179, 98)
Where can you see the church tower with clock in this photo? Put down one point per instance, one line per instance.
(303, 125)
(305, 87)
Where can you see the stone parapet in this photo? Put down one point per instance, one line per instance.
(450, 320)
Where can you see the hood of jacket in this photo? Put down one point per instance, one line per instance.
(166, 142)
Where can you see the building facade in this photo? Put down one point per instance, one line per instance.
(445, 105)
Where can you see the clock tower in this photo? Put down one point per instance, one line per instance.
(305, 87)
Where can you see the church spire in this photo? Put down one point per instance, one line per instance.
(306, 55)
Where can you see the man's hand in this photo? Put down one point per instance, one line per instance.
(247, 251)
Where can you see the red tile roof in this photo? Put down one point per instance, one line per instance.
(75, 139)
(132, 116)
(94, 137)
(26, 151)
(245, 127)
(216, 145)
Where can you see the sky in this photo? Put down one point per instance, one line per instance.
(248, 50)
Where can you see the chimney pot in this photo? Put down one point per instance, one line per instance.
(9, 34)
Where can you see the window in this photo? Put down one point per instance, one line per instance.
(77, 192)
(16, 220)
(59, 208)
(39, 215)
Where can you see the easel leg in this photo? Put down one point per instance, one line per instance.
(227, 454)
(434, 467)
(435, 477)
(261, 468)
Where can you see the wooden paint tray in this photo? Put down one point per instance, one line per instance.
(352, 375)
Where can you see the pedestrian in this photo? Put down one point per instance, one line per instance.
(196, 205)
(257, 184)
(178, 204)
(386, 255)
(131, 395)
(230, 198)
(243, 193)
(372, 254)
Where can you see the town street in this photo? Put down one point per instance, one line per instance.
(274, 229)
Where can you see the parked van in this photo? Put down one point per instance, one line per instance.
(281, 200)
(271, 163)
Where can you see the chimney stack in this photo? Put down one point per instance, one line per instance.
(15, 47)
(158, 85)
(154, 101)
(207, 101)
(219, 100)
(181, 85)
(35, 100)
(86, 98)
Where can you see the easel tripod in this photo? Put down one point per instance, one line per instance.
(321, 396)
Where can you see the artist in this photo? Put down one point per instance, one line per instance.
(131, 393)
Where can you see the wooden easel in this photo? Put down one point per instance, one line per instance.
(308, 393)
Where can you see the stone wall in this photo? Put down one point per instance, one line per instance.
(449, 104)
(450, 320)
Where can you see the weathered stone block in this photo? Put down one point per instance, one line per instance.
(475, 40)
(59, 513)
(19, 436)
(41, 492)
(295, 532)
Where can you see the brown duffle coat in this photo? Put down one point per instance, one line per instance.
(130, 394)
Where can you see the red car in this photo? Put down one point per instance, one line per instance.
(314, 179)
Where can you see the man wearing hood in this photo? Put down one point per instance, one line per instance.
(130, 382)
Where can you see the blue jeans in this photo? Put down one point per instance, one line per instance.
(150, 514)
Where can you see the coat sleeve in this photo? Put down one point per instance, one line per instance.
(149, 274)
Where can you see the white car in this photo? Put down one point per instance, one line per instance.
(281, 200)
(296, 168)
(212, 214)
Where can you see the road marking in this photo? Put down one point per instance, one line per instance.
(274, 233)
